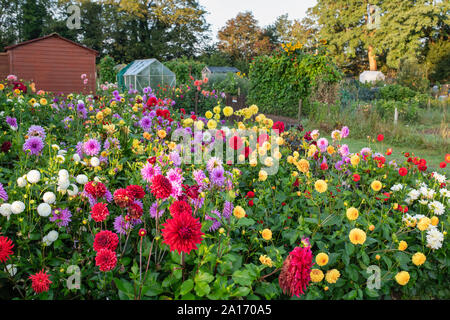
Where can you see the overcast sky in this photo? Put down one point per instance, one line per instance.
(265, 11)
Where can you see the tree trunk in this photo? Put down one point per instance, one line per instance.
(372, 60)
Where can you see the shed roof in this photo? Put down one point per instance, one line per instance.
(55, 35)
(222, 69)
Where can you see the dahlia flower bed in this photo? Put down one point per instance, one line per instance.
(100, 200)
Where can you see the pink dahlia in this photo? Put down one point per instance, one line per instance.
(295, 274)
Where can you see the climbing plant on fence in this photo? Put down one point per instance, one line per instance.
(279, 81)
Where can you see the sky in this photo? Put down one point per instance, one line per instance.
(265, 11)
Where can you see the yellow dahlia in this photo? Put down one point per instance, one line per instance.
(322, 259)
(402, 277)
(419, 258)
(316, 275)
(332, 276)
(357, 236)
(352, 213)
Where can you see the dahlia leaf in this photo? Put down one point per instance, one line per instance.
(186, 287)
(241, 292)
(202, 288)
(245, 222)
(242, 277)
(204, 277)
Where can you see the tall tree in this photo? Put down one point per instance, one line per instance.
(403, 28)
(242, 38)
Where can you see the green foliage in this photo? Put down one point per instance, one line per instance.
(438, 61)
(412, 74)
(184, 67)
(106, 70)
(396, 92)
(229, 83)
(279, 81)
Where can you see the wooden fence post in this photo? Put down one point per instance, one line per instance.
(299, 115)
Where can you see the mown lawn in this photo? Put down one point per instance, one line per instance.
(433, 157)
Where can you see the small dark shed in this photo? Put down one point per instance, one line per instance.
(53, 63)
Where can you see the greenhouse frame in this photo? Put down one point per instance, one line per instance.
(148, 73)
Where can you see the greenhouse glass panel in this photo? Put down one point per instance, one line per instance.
(149, 72)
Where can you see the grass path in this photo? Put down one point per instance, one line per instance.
(433, 157)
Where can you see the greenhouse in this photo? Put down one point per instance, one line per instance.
(148, 73)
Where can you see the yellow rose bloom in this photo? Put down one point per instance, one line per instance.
(266, 234)
(332, 276)
(208, 114)
(322, 259)
(357, 236)
(239, 212)
(330, 150)
(419, 258)
(352, 213)
(321, 186)
(402, 278)
(402, 245)
(316, 275)
(217, 109)
(423, 223)
(228, 111)
(262, 175)
(212, 124)
(354, 160)
(376, 185)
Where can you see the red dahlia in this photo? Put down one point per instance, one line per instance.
(106, 259)
(356, 177)
(95, 189)
(236, 142)
(250, 194)
(161, 187)
(99, 212)
(380, 137)
(40, 281)
(136, 191)
(278, 126)
(182, 233)
(295, 274)
(403, 172)
(151, 102)
(106, 240)
(123, 198)
(6, 246)
(180, 207)
(135, 211)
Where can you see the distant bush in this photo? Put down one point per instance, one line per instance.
(107, 71)
(229, 83)
(412, 74)
(184, 67)
(396, 92)
(279, 81)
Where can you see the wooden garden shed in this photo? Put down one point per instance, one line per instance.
(53, 63)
